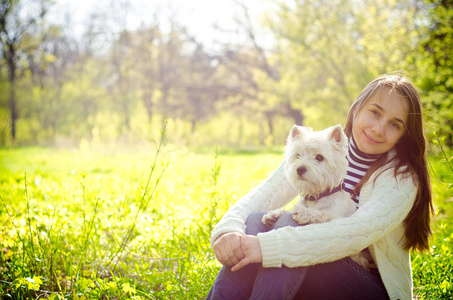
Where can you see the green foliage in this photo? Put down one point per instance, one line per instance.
(76, 224)
(119, 85)
(433, 271)
(328, 51)
(433, 69)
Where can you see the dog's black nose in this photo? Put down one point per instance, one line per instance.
(301, 171)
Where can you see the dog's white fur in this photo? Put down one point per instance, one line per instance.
(316, 162)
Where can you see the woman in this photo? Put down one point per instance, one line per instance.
(387, 176)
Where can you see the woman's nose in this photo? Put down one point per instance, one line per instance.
(378, 127)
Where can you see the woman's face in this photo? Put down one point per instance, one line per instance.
(381, 122)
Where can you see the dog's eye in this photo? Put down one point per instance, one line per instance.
(297, 155)
(319, 157)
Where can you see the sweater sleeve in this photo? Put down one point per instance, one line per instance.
(272, 193)
(388, 201)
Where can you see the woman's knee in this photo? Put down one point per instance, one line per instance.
(254, 225)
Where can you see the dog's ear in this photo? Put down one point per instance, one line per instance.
(295, 133)
(336, 133)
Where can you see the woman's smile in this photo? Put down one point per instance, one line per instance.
(370, 139)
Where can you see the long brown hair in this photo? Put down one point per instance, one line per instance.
(410, 159)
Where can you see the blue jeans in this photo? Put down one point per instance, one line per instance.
(342, 279)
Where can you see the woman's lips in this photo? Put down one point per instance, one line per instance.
(370, 139)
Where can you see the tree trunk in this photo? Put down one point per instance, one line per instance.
(270, 121)
(297, 115)
(11, 59)
(148, 103)
(13, 108)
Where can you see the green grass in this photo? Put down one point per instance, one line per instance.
(93, 225)
(433, 271)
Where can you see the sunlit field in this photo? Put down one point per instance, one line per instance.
(91, 208)
(136, 224)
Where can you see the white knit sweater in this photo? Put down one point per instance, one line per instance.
(377, 224)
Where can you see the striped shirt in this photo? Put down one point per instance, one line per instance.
(358, 163)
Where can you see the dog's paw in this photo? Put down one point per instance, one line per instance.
(271, 217)
(301, 217)
(320, 217)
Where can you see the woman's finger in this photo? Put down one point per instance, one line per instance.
(227, 249)
(240, 265)
(252, 251)
(234, 250)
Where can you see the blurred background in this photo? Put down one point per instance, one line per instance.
(231, 72)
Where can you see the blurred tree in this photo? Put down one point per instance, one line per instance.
(171, 62)
(313, 59)
(327, 51)
(18, 18)
(202, 88)
(145, 54)
(50, 65)
(121, 85)
(114, 77)
(434, 69)
(249, 63)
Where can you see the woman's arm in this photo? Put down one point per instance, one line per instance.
(274, 192)
(387, 203)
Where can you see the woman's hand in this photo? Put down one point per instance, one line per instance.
(251, 248)
(227, 249)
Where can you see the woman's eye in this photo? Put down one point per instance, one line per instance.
(374, 112)
(319, 157)
(395, 125)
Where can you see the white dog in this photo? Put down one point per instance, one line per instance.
(316, 166)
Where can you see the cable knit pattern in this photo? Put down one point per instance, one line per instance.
(377, 224)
